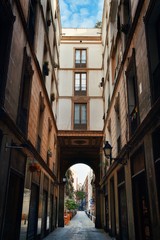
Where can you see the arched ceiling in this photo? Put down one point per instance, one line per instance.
(80, 147)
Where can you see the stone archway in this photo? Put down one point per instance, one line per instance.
(79, 147)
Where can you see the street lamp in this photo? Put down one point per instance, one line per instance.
(108, 154)
(107, 150)
(64, 179)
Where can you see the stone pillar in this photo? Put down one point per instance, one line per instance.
(151, 180)
(128, 180)
(4, 170)
(98, 223)
(61, 206)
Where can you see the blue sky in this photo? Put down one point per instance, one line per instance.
(80, 13)
(82, 171)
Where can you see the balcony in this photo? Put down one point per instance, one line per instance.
(80, 64)
(113, 10)
(80, 93)
(80, 126)
(134, 120)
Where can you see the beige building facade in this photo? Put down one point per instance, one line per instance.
(79, 78)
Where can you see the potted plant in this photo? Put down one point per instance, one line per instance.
(34, 167)
(49, 153)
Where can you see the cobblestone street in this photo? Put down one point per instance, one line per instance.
(79, 228)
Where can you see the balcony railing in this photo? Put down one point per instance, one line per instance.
(133, 120)
(80, 126)
(80, 93)
(80, 64)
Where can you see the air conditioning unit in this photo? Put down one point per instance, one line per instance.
(56, 65)
(102, 82)
(52, 97)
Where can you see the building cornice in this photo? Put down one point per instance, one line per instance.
(81, 133)
(81, 38)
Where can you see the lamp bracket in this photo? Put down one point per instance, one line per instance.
(122, 161)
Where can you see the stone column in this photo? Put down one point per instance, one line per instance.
(61, 206)
(151, 181)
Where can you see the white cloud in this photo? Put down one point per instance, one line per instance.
(80, 13)
(84, 12)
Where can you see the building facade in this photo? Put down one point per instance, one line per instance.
(80, 104)
(129, 180)
(29, 49)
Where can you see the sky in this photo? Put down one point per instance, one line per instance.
(82, 170)
(80, 13)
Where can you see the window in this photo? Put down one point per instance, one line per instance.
(40, 122)
(6, 26)
(80, 116)
(31, 19)
(80, 59)
(48, 17)
(49, 152)
(118, 123)
(113, 60)
(80, 84)
(132, 95)
(125, 20)
(153, 36)
(24, 98)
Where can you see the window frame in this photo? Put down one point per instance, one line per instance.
(25, 93)
(80, 92)
(80, 125)
(80, 64)
(133, 110)
(7, 20)
(151, 19)
(32, 15)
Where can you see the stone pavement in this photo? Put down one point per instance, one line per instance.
(79, 228)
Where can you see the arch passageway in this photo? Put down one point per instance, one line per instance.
(79, 147)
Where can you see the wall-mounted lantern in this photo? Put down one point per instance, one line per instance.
(108, 154)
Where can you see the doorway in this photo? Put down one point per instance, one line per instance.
(140, 196)
(141, 208)
(33, 213)
(14, 201)
(112, 202)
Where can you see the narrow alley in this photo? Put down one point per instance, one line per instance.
(79, 84)
(79, 228)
